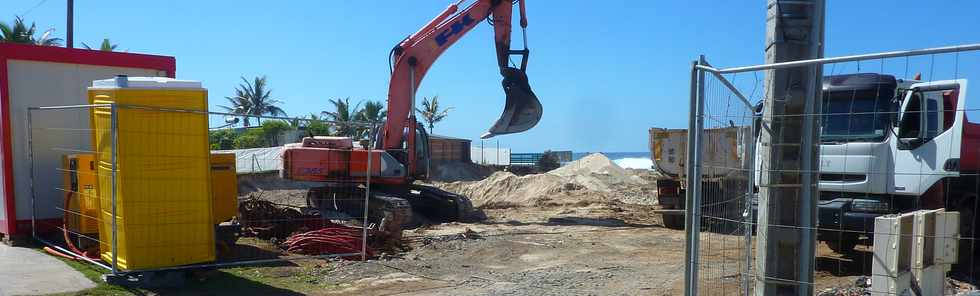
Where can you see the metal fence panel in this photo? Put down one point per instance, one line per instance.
(896, 147)
(121, 194)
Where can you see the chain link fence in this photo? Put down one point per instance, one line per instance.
(894, 135)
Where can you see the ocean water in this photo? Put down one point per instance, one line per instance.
(629, 160)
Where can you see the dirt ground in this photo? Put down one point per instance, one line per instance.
(590, 230)
(547, 235)
(598, 250)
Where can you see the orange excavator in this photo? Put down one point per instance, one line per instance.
(400, 155)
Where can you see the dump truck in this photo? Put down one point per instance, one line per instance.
(724, 177)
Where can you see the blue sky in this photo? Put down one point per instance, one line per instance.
(605, 71)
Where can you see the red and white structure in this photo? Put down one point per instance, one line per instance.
(33, 76)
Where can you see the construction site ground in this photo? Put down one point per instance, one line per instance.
(586, 229)
(601, 250)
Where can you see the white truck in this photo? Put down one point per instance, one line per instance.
(872, 163)
(887, 146)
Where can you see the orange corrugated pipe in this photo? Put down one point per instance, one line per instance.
(64, 230)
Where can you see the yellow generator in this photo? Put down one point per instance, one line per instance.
(81, 201)
(163, 207)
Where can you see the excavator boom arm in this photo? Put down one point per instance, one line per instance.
(415, 55)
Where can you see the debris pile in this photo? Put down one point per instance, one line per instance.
(263, 219)
(860, 287)
(308, 234)
(594, 177)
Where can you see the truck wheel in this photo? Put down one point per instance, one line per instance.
(674, 221)
(843, 246)
(968, 248)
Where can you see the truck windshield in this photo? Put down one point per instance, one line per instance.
(856, 116)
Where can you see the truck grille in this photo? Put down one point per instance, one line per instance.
(843, 177)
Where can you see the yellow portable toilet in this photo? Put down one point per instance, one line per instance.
(162, 189)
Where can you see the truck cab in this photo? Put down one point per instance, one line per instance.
(888, 146)
(858, 115)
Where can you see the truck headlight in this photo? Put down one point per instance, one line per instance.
(871, 206)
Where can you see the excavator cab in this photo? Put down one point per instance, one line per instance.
(422, 153)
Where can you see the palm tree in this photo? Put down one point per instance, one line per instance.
(431, 113)
(239, 106)
(344, 116)
(253, 99)
(21, 33)
(106, 45)
(373, 112)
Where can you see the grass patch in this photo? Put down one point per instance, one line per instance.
(283, 278)
(94, 273)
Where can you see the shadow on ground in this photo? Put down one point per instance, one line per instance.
(223, 283)
(243, 252)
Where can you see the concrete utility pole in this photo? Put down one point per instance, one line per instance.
(70, 38)
(789, 150)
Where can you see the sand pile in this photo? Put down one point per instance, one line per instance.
(596, 172)
(594, 177)
(505, 189)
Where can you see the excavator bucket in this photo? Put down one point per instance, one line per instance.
(522, 111)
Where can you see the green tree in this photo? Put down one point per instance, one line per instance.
(19, 32)
(251, 138)
(105, 46)
(253, 98)
(548, 161)
(316, 127)
(272, 129)
(222, 139)
(431, 112)
(344, 116)
(374, 112)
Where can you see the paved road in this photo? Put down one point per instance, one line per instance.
(28, 272)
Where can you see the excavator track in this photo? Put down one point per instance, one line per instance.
(389, 213)
(440, 206)
(392, 210)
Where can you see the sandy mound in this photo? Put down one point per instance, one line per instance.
(506, 189)
(596, 172)
(593, 178)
